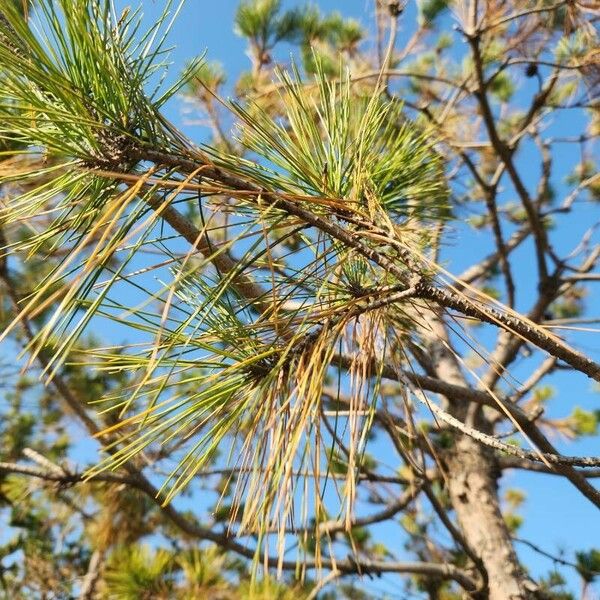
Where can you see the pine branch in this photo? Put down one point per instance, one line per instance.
(512, 322)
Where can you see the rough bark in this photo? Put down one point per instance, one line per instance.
(473, 490)
(472, 475)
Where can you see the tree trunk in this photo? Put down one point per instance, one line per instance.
(473, 489)
(472, 474)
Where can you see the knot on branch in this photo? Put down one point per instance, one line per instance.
(263, 367)
(395, 8)
(258, 370)
(113, 150)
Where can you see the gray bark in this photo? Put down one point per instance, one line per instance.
(472, 475)
(473, 490)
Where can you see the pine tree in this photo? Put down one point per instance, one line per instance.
(228, 361)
